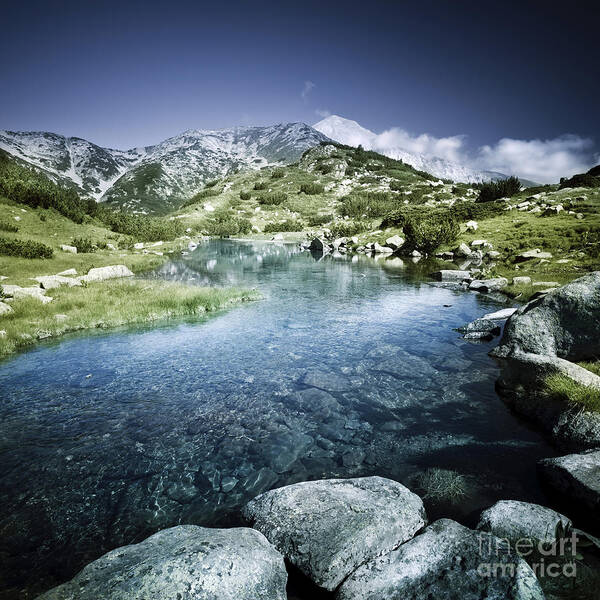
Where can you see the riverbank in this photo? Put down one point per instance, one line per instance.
(109, 304)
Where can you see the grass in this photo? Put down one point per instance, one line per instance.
(561, 387)
(109, 304)
(443, 485)
(594, 367)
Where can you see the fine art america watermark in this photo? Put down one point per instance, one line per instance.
(547, 559)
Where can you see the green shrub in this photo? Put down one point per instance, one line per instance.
(25, 248)
(428, 233)
(288, 225)
(326, 169)
(278, 174)
(311, 188)
(274, 199)
(226, 225)
(316, 220)
(396, 186)
(9, 227)
(144, 229)
(493, 190)
(202, 195)
(369, 205)
(580, 180)
(245, 195)
(348, 228)
(83, 245)
(467, 211)
(260, 185)
(212, 183)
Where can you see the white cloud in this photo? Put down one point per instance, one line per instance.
(323, 113)
(540, 160)
(306, 89)
(449, 148)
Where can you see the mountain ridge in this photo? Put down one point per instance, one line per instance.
(156, 178)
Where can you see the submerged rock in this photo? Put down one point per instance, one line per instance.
(513, 520)
(451, 275)
(445, 561)
(185, 562)
(328, 528)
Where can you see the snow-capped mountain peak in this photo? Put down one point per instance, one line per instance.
(346, 131)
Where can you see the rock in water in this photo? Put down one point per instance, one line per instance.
(110, 272)
(328, 528)
(446, 561)
(185, 562)
(563, 323)
(451, 275)
(576, 477)
(513, 520)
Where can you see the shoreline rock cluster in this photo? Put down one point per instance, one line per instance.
(356, 538)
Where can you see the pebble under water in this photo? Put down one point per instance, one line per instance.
(348, 367)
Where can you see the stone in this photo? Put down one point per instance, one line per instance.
(326, 380)
(339, 242)
(478, 243)
(576, 477)
(377, 248)
(416, 254)
(451, 275)
(463, 251)
(481, 326)
(67, 273)
(532, 254)
(186, 562)
(513, 521)
(5, 308)
(394, 242)
(445, 561)
(563, 323)
(138, 245)
(488, 285)
(110, 246)
(66, 248)
(523, 280)
(110, 272)
(319, 245)
(278, 237)
(329, 528)
(472, 226)
(50, 282)
(500, 315)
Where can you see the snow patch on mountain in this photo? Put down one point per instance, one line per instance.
(346, 131)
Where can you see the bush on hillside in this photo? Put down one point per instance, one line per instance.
(25, 249)
(494, 190)
(9, 227)
(348, 228)
(278, 174)
(316, 220)
(225, 225)
(467, 211)
(287, 225)
(144, 229)
(274, 199)
(311, 188)
(326, 169)
(595, 171)
(83, 245)
(368, 205)
(245, 195)
(260, 185)
(580, 180)
(212, 183)
(202, 195)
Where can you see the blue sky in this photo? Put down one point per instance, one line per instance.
(123, 74)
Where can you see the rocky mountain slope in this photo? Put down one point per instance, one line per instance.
(350, 132)
(158, 178)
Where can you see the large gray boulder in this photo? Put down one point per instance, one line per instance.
(451, 275)
(110, 272)
(513, 521)
(576, 477)
(184, 563)
(446, 561)
(564, 323)
(50, 282)
(329, 528)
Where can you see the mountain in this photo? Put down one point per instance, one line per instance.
(158, 178)
(351, 133)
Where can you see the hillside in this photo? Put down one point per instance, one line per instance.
(156, 179)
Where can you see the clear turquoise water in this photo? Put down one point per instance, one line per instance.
(346, 368)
